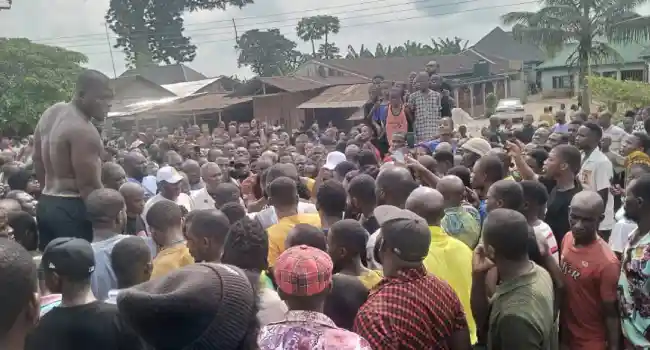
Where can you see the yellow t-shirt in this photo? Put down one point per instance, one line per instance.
(370, 278)
(547, 118)
(170, 259)
(309, 182)
(278, 232)
(451, 260)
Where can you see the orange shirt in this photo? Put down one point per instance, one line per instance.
(395, 123)
(591, 277)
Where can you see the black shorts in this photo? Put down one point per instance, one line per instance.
(62, 217)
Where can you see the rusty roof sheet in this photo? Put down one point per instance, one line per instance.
(342, 96)
(299, 83)
(203, 103)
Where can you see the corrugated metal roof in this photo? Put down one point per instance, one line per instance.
(342, 96)
(630, 53)
(203, 103)
(188, 88)
(299, 83)
(142, 106)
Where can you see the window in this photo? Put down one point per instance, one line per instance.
(562, 82)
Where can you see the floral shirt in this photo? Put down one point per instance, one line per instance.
(308, 330)
(463, 223)
(634, 301)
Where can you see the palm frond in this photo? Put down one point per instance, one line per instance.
(633, 29)
(511, 18)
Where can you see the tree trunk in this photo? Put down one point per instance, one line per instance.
(327, 49)
(140, 38)
(313, 49)
(583, 62)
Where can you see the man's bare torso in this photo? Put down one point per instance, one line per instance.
(53, 138)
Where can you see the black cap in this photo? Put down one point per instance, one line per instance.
(406, 233)
(69, 257)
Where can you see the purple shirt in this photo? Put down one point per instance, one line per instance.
(561, 128)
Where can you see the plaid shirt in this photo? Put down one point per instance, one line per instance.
(414, 310)
(426, 110)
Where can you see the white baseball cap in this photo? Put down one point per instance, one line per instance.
(333, 159)
(168, 174)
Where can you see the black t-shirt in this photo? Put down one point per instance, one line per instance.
(134, 226)
(94, 326)
(526, 134)
(557, 211)
(445, 106)
(370, 224)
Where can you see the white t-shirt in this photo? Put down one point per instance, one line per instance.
(621, 232)
(268, 217)
(543, 231)
(182, 200)
(615, 134)
(595, 175)
(201, 199)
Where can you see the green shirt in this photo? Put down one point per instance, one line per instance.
(521, 315)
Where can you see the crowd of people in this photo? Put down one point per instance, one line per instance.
(404, 232)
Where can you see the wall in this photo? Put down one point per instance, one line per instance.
(548, 74)
(281, 107)
(135, 92)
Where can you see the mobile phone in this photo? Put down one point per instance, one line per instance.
(398, 156)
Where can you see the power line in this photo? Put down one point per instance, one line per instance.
(372, 23)
(228, 26)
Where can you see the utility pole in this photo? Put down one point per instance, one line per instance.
(234, 25)
(110, 50)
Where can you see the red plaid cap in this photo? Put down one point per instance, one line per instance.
(303, 271)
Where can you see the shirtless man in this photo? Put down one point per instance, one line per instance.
(67, 149)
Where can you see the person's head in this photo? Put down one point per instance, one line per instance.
(206, 234)
(234, 211)
(341, 169)
(212, 176)
(560, 117)
(472, 150)
(304, 234)
(403, 241)
(557, 138)
(226, 192)
(452, 189)
(301, 141)
(133, 195)
(638, 141)
(487, 170)
(193, 171)
(585, 214)
(504, 194)
(579, 116)
(573, 127)
(529, 119)
(352, 153)
(535, 160)
(169, 182)
(361, 192)
(540, 136)
(422, 81)
(135, 165)
(563, 160)
(254, 149)
(283, 193)
(345, 299)
(27, 201)
(203, 305)
(331, 199)
(113, 176)
(588, 136)
(247, 245)
(506, 235)
(346, 242)
(444, 161)
(535, 198)
(105, 209)
(605, 120)
(24, 228)
(173, 159)
(23, 180)
(131, 261)
(637, 198)
(393, 186)
(9, 205)
(67, 264)
(463, 173)
(165, 220)
(427, 203)
(93, 94)
(19, 298)
(628, 122)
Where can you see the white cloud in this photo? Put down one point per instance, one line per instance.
(78, 25)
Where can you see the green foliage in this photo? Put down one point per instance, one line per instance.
(411, 49)
(328, 51)
(316, 28)
(585, 22)
(491, 101)
(624, 94)
(32, 78)
(152, 31)
(268, 52)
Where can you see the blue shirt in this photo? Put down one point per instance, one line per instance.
(433, 144)
(147, 191)
(482, 210)
(380, 114)
(563, 128)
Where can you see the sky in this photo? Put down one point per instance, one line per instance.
(79, 25)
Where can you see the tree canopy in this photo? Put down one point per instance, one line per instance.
(32, 78)
(316, 28)
(591, 24)
(267, 52)
(626, 93)
(440, 46)
(151, 32)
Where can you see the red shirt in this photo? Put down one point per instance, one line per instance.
(591, 277)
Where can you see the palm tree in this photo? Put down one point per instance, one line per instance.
(329, 24)
(584, 24)
(363, 52)
(448, 46)
(316, 28)
(328, 51)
